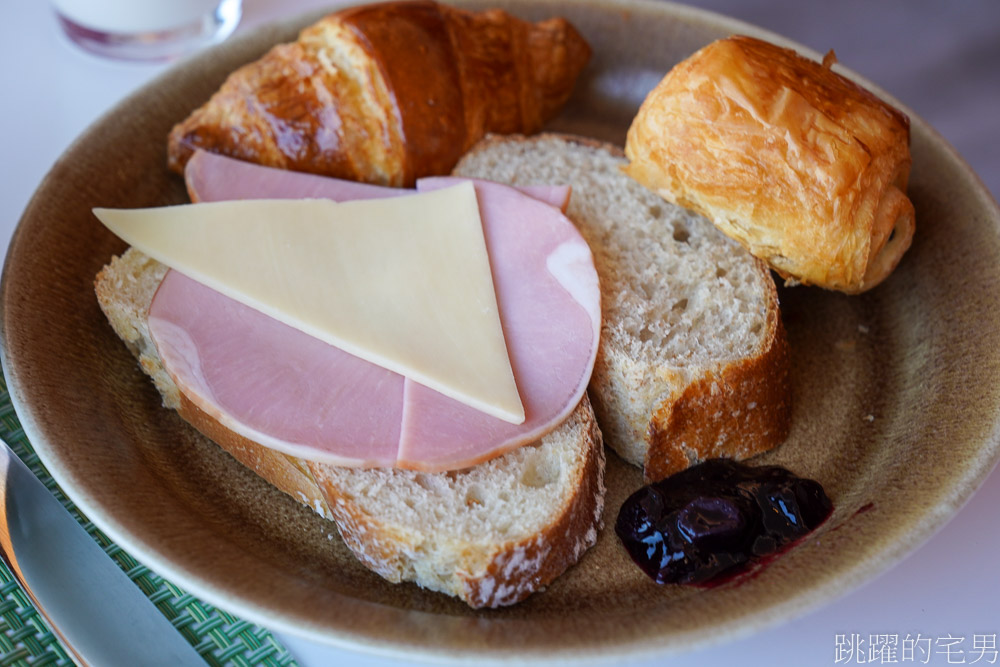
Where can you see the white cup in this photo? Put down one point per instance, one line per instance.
(147, 29)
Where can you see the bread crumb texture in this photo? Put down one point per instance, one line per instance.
(490, 534)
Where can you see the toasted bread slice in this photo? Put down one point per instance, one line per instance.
(490, 535)
(693, 363)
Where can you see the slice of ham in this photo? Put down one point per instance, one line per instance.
(285, 390)
(549, 301)
(212, 177)
(272, 383)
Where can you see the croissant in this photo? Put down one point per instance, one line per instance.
(387, 93)
(802, 166)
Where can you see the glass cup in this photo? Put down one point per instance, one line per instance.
(147, 29)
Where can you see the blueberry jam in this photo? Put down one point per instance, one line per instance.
(714, 520)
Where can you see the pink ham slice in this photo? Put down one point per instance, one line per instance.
(272, 383)
(247, 369)
(212, 177)
(549, 301)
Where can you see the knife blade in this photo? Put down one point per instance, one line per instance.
(95, 610)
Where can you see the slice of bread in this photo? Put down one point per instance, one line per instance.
(693, 362)
(490, 535)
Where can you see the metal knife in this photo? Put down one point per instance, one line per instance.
(97, 612)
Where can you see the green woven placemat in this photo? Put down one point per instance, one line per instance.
(26, 639)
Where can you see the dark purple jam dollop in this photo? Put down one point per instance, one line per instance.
(714, 520)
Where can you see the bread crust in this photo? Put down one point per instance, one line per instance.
(751, 401)
(799, 164)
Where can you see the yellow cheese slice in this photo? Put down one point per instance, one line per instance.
(402, 282)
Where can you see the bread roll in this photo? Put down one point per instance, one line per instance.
(796, 162)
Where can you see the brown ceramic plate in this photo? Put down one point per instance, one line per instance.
(883, 414)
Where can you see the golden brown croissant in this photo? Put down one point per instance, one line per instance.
(387, 93)
(799, 164)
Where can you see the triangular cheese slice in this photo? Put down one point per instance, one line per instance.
(402, 282)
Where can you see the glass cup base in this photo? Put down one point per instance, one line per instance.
(156, 44)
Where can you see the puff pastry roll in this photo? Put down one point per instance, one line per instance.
(802, 166)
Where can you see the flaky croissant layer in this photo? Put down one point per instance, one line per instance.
(799, 164)
(387, 93)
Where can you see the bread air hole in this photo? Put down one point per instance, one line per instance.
(424, 481)
(540, 471)
(681, 234)
(474, 496)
